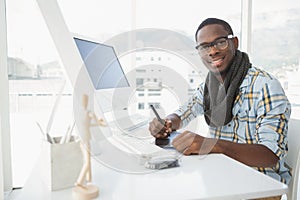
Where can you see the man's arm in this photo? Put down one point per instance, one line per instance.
(254, 155)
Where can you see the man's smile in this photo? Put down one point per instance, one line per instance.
(216, 62)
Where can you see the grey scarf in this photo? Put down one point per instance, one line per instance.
(219, 99)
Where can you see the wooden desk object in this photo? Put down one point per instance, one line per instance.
(84, 189)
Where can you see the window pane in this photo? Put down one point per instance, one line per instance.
(35, 78)
(276, 47)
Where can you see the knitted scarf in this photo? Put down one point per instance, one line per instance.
(219, 98)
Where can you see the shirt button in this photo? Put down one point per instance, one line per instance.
(229, 125)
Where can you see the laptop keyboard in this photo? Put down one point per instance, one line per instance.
(137, 146)
(142, 148)
(132, 135)
(130, 123)
(137, 125)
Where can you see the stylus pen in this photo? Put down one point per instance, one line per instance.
(157, 116)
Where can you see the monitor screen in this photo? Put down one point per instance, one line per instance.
(102, 64)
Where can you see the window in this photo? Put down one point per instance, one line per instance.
(141, 106)
(36, 76)
(139, 82)
(141, 70)
(153, 94)
(155, 104)
(154, 90)
(276, 47)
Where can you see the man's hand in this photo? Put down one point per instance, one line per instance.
(190, 143)
(159, 130)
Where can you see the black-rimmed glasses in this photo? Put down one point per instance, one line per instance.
(220, 43)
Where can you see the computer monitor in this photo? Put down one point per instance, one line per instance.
(102, 64)
(112, 89)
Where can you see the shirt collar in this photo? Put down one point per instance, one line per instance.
(247, 81)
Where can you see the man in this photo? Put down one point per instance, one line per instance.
(246, 108)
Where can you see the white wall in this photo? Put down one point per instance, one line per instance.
(5, 156)
(1, 168)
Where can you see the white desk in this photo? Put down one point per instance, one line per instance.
(199, 177)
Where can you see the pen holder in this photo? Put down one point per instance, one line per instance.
(61, 163)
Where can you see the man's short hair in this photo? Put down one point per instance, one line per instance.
(210, 21)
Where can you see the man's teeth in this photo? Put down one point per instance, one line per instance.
(215, 62)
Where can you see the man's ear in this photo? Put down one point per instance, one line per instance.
(236, 42)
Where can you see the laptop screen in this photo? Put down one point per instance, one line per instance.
(102, 64)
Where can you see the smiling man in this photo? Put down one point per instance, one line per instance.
(245, 107)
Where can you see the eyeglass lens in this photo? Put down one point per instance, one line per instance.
(219, 44)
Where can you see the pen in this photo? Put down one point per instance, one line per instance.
(157, 116)
(46, 135)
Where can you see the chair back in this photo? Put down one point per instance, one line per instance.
(293, 156)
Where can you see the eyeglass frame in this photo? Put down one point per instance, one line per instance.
(213, 44)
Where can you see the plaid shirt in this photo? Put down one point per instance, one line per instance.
(260, 116)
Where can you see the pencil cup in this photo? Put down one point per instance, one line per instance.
(61, 163)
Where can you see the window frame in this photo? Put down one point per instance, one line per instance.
(5, 155)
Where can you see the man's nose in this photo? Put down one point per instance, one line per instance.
(213, 50)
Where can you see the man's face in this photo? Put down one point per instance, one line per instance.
(216, 60)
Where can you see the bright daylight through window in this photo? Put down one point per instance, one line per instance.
(36, 75)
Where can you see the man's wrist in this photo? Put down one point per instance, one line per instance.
(218, 146)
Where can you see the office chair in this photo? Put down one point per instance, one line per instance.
(293, 157)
